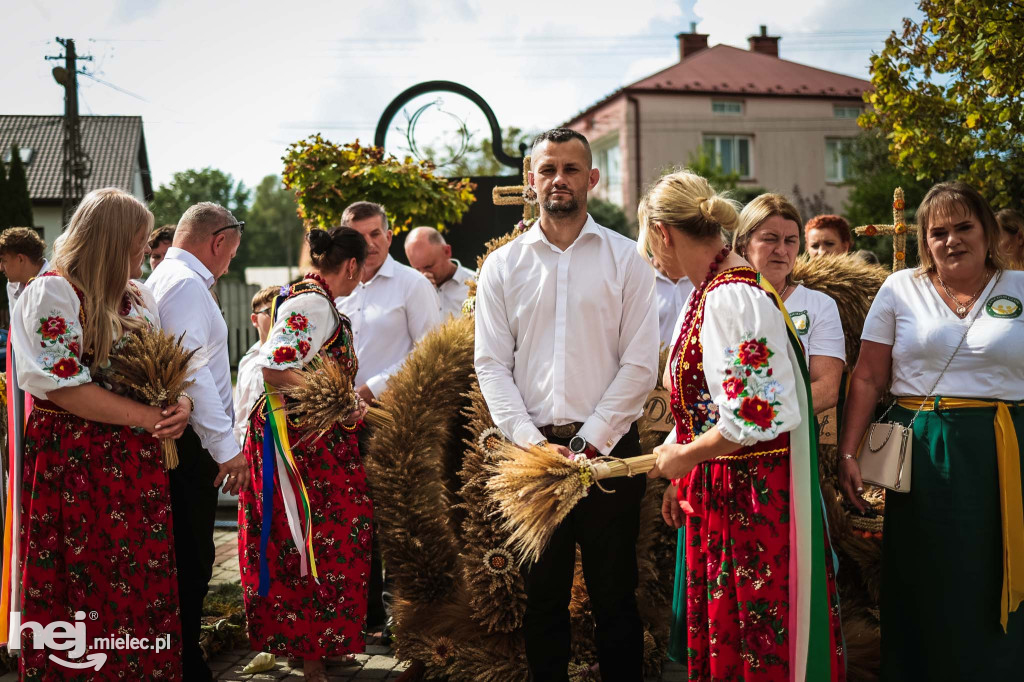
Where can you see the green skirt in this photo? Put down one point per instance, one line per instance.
(677, 638)
(942, 556)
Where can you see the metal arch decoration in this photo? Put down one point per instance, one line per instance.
(410, 133)
(449, 86)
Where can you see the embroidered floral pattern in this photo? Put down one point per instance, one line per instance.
(60, 347)
(291, 344)
(751, 391)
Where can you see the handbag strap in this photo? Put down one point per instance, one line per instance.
(979, 307)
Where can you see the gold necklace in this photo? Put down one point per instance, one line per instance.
(962, 308)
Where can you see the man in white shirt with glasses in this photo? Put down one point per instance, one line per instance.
(205, 241)
(566, 354)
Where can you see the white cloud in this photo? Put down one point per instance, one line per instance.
(229, 85)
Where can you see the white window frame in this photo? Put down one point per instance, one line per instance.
(842, 111)
(600, 150)
(843, 147)
(725, 103)
(716, 155)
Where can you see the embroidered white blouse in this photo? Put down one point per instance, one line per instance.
(248, 388)
(304, 324)
(747, 365)
(46, 334)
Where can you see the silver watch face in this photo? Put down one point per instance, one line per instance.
(578, 444)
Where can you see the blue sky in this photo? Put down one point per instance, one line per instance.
(231, 84)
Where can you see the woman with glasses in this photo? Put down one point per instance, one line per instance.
(305, 591)
(96, 547)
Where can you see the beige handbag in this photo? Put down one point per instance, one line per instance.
(885, 454)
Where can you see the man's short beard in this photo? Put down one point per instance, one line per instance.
(565, 208)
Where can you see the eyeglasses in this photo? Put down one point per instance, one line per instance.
(240, 225)
(262, 311)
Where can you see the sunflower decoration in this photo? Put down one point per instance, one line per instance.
(490, 440)
(443, 652)
(498, 561)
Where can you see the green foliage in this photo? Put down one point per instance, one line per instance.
(18, 205)
(872, 180)
(479, 158)
(274, 232)
(327, 177)
(948, 98)
(610, 215)
(192, 186)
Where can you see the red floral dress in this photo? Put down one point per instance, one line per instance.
(731, 370)
(96, 535)
(299, 616)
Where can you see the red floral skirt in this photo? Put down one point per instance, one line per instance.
(737, 572)
(299, 617)
(96, 538)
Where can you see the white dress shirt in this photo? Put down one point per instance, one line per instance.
(566, 336)
(453, 292)
(248, 387)
(15, 289)
(389, 314)
(671, 297)
(182, 288)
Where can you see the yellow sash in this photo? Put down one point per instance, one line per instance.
(1010, 504)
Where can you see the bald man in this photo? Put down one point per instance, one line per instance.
(431, 255)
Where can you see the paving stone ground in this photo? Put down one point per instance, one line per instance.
(377, 663)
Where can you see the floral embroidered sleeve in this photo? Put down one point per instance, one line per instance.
(747, 364)
(46, 335)
(303, 325)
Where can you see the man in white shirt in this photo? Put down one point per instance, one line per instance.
(566, 354)
(205, 241)
(392, 308)
(671, 297)
(431, 256)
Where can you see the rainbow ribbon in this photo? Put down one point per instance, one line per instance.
(278, 457)
(19, 405)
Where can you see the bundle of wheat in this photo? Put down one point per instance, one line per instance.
(156, 369)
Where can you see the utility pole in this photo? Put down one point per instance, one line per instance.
(76, 166)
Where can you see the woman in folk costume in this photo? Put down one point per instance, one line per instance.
(945, 339)
(95, 513)
(756, 585)
(305, 580)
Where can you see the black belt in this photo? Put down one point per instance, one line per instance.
(561, 431)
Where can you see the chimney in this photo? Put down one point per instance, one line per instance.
(691, 43)
(764, 43)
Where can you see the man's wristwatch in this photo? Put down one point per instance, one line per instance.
(577, 445)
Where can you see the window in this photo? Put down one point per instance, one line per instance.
(608, 160)
(845, 111)
(731, 153)
(26, 154)
(837, 159)
(727, 107)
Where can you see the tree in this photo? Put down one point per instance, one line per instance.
(948, 96)
(327, 177)
(479, 157)
(611, 216)
(274, 231)
(192, 186)
(19, 203)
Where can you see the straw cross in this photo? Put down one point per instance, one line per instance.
(515, 195)
(898, 230)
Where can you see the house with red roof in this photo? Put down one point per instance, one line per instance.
(776, 123)
(114, 155)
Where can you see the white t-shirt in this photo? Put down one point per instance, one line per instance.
(816, 318)
(909, 315)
